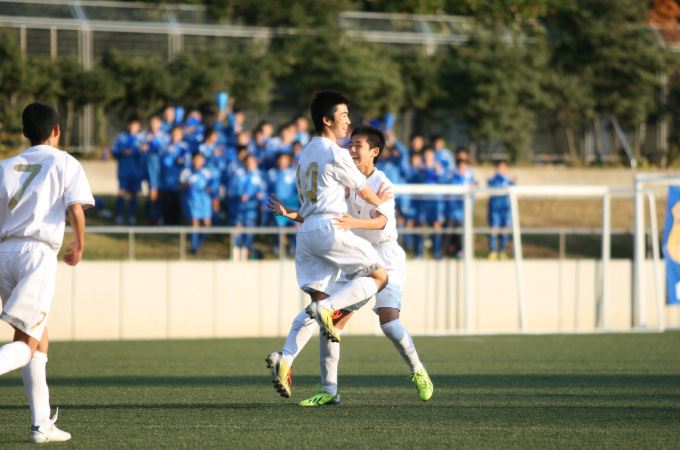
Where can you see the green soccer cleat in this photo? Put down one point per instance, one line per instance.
(423, 384)
(324, 319)
(280, 372)
(321, 398)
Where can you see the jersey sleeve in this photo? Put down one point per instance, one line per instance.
(346, 171)
(387, 208)
(77, 188)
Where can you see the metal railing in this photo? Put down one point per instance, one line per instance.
(182, 231)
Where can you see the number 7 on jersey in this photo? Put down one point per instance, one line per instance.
(33, 169)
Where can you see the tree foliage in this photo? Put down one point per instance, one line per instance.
(499, 89)
(573, 60)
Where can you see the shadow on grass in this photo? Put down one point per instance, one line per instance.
(447, 381)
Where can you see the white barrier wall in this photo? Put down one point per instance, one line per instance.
(158, 300)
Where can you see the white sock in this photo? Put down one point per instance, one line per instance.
(14, 355)
(329, 356)
(355, 291)
(35, 383)
(403, 342)
(300, 332)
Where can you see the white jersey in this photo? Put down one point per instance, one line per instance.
(362, 210)
(36, 188)
(323, 172)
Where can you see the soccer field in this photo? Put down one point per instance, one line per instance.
(553, 391)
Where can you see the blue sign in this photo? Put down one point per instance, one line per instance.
(671, 245)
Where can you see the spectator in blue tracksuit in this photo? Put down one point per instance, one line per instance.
(301, 133)
(499, 212)
(281, 182)
(194, 130)
(126, 149)
(443, 155)
(173, 161)
(216, 163)
(232, 180)
(455, 208)
(168, 122)
(431, 211)
(195, 181)
(156, 143)
(409, 206)
(251, 190)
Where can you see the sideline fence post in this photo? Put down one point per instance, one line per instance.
(519, 260)
(606, 256)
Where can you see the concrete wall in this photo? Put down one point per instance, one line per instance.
(158, 300)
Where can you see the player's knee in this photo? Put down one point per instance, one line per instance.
(380, 277)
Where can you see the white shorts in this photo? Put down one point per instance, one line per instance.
(322, 251)
(27, 274)
(394, 261)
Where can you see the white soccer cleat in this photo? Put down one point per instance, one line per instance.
(50, 434)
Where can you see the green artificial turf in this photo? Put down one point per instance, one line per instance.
(555, 391)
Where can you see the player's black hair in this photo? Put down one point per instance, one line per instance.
(500, 161)
(459, 161)
(374, 137)
(325, 104)
(282, 154)
(133, 118)
(39, 120)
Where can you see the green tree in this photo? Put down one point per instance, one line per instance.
(22, 81)
(283, 13)
(146, 84)
(364, 72)
(498, 89)
(607, 48)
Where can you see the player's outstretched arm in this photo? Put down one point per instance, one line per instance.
(277, 207)
(367, 195)
(347, 222)
(74, 252)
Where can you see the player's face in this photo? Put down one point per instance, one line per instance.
(198, 161)
(155, 124)
(134, 127)
(362, 153)
(340, 123)
(251, 163)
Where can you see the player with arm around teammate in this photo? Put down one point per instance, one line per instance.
(38, 188)
(323, 172)
(377, 226)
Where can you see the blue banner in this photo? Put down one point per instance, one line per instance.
(671, 245)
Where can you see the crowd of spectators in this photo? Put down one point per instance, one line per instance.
(216, 172)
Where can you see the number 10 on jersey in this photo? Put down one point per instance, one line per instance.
(311, 178)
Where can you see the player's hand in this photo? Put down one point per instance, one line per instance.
(276, 206)
(127, 152)
(385, 193)
(73, 254)
(345, 223)
(346, 192)
(244, 198)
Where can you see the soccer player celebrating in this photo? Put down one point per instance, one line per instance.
(37, 188)
(322, 250)
(377, 226)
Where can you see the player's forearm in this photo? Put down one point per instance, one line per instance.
(76, 217)
(294, 215)
(377, 223)
(367, 195)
